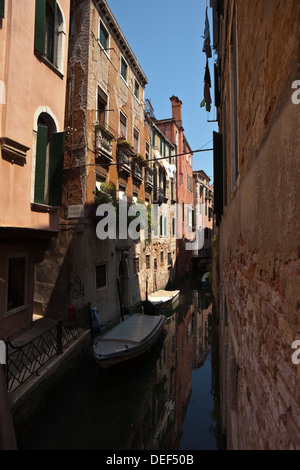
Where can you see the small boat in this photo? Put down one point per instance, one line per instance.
(163, 298)
(204, 281)
(128, 340)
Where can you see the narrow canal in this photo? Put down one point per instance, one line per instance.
(166, 401)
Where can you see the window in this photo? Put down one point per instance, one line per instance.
(162, 257)
(123, 126)
(170, 155)
(49, 162)
(155, 264)
(100, 276)
(147, 261)
(169, 259)
(136, 138)
(102, 104)
(104, 36)
(49, 32)
(153, 138)
(147, 151)
(136, 89)
(16, 283)
(189, 183)
(124, 69)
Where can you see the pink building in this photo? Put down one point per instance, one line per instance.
(33, 57)
(174, 131)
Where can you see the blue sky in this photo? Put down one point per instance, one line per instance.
(166, 37)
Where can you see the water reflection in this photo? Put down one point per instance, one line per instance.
(143, 406)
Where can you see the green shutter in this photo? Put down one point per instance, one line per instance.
(40, 164)
(56, 165)
(40, 15)
(2, 8)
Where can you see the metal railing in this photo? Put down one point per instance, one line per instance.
(22, 362)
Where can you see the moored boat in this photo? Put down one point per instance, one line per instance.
(128, 340)
(163, 298)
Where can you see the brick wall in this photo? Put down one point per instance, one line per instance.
(258, 262)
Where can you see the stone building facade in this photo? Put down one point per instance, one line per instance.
(173, 129)
(113, 155)
(257, 266)
(203, 197)
(33, 57)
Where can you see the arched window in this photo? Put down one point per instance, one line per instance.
(48, 162)
(50, 32)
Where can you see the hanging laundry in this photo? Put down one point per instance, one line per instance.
(207, 86)
(206, 45)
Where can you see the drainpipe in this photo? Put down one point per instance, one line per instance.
(7, 432)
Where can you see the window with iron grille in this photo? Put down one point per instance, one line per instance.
(100, 276)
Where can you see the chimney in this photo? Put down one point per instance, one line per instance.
(176, 110)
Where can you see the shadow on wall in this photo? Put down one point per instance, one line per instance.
(79, 268)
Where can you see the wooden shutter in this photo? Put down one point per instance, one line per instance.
(56, 164)
(40, 15)
(2, 8)
(218, 175)
(40, 164)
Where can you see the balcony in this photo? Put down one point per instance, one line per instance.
(137, 171)
(103, 142)
(124, 161)
(149, 178)
(162, 196)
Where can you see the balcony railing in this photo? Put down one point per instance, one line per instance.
(26, 361)
(137, 171)
(103, 142)
(162, 196)
(124, 161)
(149, 178)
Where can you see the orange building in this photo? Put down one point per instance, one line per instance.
(33, 57)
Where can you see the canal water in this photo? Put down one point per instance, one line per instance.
(166, 401)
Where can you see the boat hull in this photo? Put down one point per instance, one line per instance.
(163, 299)
(128, 341)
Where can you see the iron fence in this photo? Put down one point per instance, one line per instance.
(22, 362)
